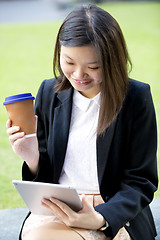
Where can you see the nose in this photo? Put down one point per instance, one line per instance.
(79, 73)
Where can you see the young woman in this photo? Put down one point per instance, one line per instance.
(96, 132)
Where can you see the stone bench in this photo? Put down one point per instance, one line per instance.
(11, 220)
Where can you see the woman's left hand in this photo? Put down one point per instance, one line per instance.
(86, 218)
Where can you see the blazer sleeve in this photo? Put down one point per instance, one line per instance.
(42, 109)
(139, 179)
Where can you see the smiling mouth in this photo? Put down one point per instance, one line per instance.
(82, 83)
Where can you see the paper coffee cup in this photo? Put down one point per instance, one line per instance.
(20, 109)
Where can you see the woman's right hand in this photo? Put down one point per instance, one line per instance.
(25, 148)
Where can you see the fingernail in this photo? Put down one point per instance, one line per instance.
(51, 199)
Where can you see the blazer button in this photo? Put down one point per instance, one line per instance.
(128, 224)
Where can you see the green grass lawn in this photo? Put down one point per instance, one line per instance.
(26, 52)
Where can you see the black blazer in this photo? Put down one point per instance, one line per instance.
(126, 155)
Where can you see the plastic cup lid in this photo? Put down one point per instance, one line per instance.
(18, 98)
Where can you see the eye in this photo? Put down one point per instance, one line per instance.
(70, 63)
(93, 68)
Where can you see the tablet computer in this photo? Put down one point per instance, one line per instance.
(33, 193)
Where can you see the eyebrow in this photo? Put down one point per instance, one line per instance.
(95, 62)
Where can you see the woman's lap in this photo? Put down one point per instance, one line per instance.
(38, 227)
(52, 231)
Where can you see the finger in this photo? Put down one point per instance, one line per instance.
(86, 203)
(81, 196)
(55, 209)
(8, 123)
(12, 130)
(65, 213)
(64, 207)
(16, 136)
(36, 121)
(45, 204)
(51, 205)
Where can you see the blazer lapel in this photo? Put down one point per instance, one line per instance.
(103, 147)
(62, 117)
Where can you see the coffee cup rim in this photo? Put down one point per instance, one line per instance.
(18, 98)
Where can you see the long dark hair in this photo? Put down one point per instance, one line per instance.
(93, 25)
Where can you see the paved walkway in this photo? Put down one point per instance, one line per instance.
(11, 220)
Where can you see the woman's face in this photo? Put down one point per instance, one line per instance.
(82, 68)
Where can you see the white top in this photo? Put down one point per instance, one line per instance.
(80, 165)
